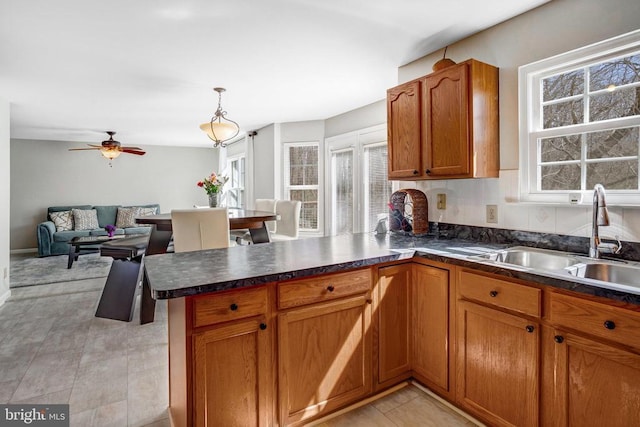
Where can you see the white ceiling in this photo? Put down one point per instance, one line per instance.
(146, 68)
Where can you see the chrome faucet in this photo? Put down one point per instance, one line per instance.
(600, 217)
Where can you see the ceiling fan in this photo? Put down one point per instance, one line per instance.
(111, 148)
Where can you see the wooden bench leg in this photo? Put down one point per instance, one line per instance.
(119, 295)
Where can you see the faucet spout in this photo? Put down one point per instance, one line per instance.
(600, 217)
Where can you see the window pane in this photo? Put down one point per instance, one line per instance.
(378, 188)
(303, 165)
(309, 211)
(563, 114)
(613, 175)
(343, 192)
(560, 177)
(563, 85)
(613, 143)
(611, 105)
(617, 72)
(560, 148)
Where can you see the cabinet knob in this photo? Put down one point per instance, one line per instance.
(263, 326)
(428, 171)
(415, 172)
(530, 328)
(369, 301)
(330, 288)
(233, 307)
(609, 324)
(493, 294)
(559, 339)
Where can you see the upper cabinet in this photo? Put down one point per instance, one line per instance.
(445, 125)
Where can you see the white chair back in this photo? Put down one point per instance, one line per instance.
(289, 223)
(196, 229)
(267, 205)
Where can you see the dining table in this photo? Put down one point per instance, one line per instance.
(162, 230)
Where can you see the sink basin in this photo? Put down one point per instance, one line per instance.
(611, 273)
(537, 259)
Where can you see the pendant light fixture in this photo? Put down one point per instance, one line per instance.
(220, 129)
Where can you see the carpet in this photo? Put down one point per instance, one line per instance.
(53, 269)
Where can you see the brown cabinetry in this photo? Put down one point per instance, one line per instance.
(498, 356)
(445, 125)
(592, 381)
(324, 353)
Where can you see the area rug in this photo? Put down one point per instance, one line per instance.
(53, 269)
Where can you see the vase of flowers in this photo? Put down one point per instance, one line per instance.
(212, 185)
(110, 229)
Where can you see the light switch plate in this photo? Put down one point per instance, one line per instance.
(441, 201)
(492, 214)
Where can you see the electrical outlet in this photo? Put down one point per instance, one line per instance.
(441, 201)
(492, 214)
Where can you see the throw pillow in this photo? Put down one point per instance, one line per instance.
(144, 212)
(85, 219)
(63, 220)
(126, 217)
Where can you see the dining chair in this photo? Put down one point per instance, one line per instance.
(265, 205)
(196, 229)
(288, 222)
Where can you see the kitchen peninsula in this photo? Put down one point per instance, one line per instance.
(284, 333)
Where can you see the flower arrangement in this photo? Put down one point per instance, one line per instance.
(110, 229)
(213, 183)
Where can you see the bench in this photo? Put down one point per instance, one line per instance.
(119, 295)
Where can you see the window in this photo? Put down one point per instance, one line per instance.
(235, 184)
(358, 188)
(580, 122)
(301, 181)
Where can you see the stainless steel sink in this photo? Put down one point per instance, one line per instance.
(608, 272)
(532, 258)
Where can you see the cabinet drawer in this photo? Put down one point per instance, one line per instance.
(324, 288)
(613, 323)
(224, 307)
(500, 293)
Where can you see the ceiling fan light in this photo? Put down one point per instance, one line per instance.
(110, 153)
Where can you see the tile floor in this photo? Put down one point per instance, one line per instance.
(54, 350)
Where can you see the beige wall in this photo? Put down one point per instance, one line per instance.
(360, 118)
(45, 173)
(4, 200)
(556, 27)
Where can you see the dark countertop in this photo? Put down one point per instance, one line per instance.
(175, 275)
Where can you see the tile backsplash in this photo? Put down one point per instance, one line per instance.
(467, 200)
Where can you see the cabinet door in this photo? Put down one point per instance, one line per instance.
(595, 384)
(498, 365)
(232, 375)
(324, 357)
(393, 322)
(447, 144)
(430, 325)
(404, 130)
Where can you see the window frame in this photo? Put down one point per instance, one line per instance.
(228, 186)
(530, 123)
(288, 187)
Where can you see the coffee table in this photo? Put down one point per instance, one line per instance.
(89, 244)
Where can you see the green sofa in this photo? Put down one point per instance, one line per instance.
(53, 242)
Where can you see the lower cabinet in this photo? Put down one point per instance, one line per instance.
(231, 376)
(324, 354)
(498, 359)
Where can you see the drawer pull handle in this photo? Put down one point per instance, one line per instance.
(559, 339)
(330, 288)
(428, 171)
(415, 172)
(263, 326)
(530, 328)
(609, 324)
(233, 307)
(493, 294)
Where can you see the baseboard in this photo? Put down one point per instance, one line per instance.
(23, 251)
(4, 297)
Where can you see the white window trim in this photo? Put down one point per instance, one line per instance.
(529, 77)
(229, 160)
(287, 186)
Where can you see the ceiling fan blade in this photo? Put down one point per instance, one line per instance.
(139, 153)
(95, 146)
(81, 149)
(132, 148)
